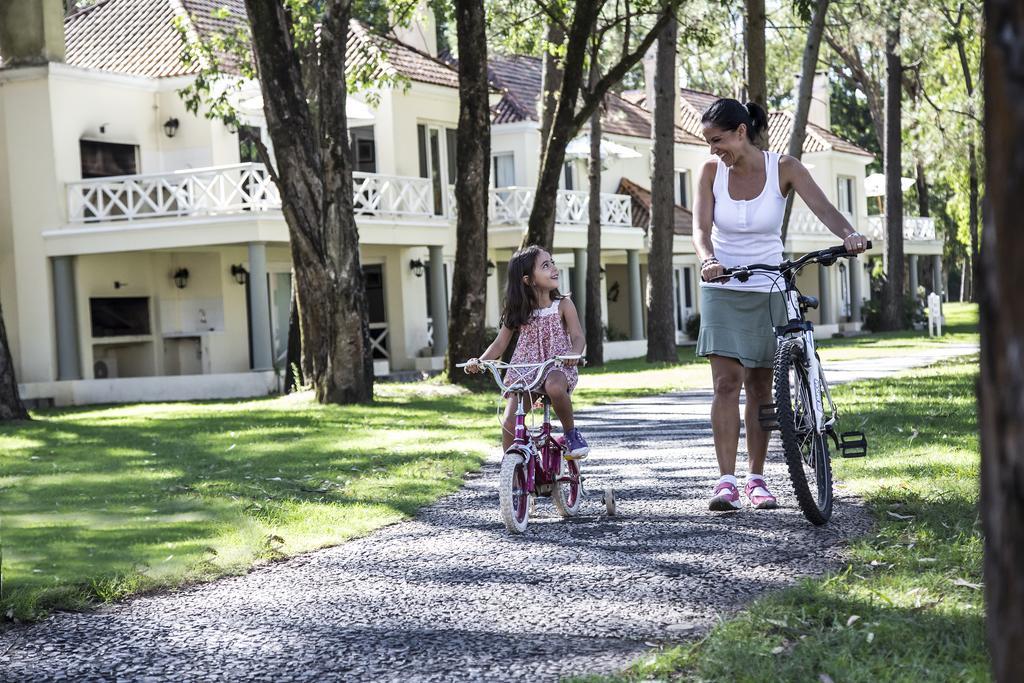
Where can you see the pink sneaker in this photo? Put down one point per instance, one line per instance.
(725, 498)
(759, 496)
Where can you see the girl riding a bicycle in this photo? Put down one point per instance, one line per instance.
(548, 326)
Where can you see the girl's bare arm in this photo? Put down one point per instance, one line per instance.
(571, 318)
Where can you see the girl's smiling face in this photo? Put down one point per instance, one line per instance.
(545, 273)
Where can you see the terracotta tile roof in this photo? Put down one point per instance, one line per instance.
(780, 125)
(398, 58)
(519, 77)
(138, 37)
(683, 223)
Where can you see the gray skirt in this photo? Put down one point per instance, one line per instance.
(738, 324)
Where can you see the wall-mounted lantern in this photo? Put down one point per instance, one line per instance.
(171, 127)
(181, 278)
(240, 274)
(417, 267)
(490, 267)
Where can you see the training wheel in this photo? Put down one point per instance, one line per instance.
(609, 501)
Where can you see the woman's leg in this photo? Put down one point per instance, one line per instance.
(556, 386)
(757, 383)
(508, 431)
(727, 375)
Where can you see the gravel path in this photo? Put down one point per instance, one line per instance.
(449, 596)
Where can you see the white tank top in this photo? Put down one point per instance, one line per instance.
(748, 231)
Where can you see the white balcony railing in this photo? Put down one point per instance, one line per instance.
(914, 227)
(230, 189)
(513, 205)
(803, 222)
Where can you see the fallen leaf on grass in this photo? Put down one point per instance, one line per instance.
(898, 516)
(825, 678)
(967, 584)
(927, 559)
(776, 622)
(871, 637)
(852, 620)
(778, 650)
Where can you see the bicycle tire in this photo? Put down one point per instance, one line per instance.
(566, 497)
(795, 437)
(513, 500)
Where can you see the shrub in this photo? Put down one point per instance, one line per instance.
(692, 326)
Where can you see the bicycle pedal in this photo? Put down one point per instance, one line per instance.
(767, 417)
(853, 444)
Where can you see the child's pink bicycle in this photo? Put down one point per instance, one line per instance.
(536, 463)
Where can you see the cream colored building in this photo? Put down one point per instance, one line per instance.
(143, 253)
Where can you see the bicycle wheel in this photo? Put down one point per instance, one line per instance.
(566, 495)
(513, 498)
(807, 453)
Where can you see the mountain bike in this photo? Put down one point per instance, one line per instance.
(803, 412)
(536, 464)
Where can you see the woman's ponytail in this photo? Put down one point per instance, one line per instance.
(758, 121)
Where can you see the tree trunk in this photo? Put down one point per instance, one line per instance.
(892, 293)
(661, 329)
(972, 178)
(592, 316)
(1001, 385)
(293, 372)
(568, 119)
(757, 80)
(551, 83)
(315, 180)
(803, 101)
(922, 191)
(473, 151)
(11, 407)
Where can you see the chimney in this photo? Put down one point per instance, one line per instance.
(31, 32)
(821, 92)
(421, 33)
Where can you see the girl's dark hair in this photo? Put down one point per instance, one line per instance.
(728, 114)
(520, 299)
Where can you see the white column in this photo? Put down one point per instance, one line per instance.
(856, 298)
(579, 284)
(636, 301)
(259, 308)
(438, 301)
(68, 364)
(913, 276)
(827, 305)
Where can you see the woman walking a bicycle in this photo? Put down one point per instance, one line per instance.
(740, 202)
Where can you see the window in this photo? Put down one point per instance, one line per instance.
(364, 149)
(437, 152)
(568, 176)
(504, 171)
(844, 195)
(101, 159)
(683, 188)
(248, 152)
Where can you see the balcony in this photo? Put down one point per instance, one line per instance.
(513, 205)
(915, 228)
(225, 190)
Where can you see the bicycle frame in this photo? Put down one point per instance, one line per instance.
(815, 373)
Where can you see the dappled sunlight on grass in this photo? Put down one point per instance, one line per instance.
(909, 605)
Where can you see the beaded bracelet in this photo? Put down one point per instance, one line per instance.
(708, 261)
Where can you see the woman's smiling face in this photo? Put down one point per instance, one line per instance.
(727, 145)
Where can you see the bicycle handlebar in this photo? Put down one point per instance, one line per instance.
(825, 257)
(495, 365)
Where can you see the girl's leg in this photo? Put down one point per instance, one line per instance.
(508, 431)
(556, 386)
(757, 383)
(727, 376)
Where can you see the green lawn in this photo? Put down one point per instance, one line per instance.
(101, 502)
(909, 605)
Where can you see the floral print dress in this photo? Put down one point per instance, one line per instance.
(541, 338)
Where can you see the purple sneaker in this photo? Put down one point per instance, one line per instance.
(726, 498)
(575, 445)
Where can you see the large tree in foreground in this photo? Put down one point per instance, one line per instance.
(1001, 386)
(303, 82)
(11, 407)
(892, 291)
(661, 329)
(473, 151)
(575, 103)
